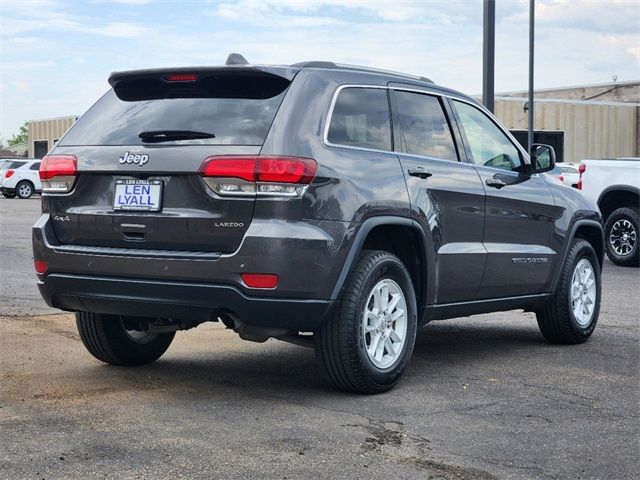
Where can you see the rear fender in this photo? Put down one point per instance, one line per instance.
(360, 238)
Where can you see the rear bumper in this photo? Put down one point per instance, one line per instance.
(178, 300)
(307, 257)
(8, 191)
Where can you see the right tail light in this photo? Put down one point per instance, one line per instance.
(263, 176)
(58, 172)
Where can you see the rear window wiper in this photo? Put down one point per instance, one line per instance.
(155, 136)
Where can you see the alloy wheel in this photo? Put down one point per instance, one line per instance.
(384, 323)
(623, 237)
(24, 190)
(583, 292)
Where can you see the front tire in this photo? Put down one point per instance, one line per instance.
(24, 189)
(367, 343)
(572, 314)
(107, 339)
(621, 237)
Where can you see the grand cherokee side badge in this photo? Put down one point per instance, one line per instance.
(530, 260)
(136, 158)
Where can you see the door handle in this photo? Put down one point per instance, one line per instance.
(420, 172)
(495, 183)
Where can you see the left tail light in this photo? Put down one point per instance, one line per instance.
(263, 176)
(58, 173)
(9, 173)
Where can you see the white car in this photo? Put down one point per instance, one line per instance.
(20, 178)
(570, 174)
(615, 186)
(567, 173)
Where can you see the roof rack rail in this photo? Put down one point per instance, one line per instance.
(315, 64)
(332, 65)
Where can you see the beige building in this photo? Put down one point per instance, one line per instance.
(593, 121)
(44, 134)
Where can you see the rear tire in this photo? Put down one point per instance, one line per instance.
(106, 338)
(24, 189)
(367, 343)
(572, 314)
(622, 233)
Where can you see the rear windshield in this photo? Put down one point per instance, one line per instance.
(13, 164)
(235, 111)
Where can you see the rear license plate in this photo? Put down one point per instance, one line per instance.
(138, 195)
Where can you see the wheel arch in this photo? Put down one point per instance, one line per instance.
(592, 232)
(401, 236)
(616, 196)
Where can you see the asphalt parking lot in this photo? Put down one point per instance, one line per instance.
(485, 397)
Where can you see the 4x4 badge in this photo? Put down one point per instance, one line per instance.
(137, 158)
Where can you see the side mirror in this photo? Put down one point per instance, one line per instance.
(543, 158)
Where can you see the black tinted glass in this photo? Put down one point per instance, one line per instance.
(237, 116)
(35, 166)
(14, 164)
(424, 126)
(361, 119)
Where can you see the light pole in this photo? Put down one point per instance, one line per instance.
(532, 9)
(488, 52)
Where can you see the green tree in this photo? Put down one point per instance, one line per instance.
(21, 137)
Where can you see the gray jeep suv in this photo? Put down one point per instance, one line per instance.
(326, 205)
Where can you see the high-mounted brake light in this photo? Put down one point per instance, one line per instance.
(181, 77)
(9, 173)
(58, 172)
(268, 175)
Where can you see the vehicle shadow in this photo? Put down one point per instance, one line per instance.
(287, 371)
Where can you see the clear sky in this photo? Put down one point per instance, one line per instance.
(56, 55)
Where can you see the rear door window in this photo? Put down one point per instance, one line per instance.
(425, 129)
(361, 119)
(234, 109)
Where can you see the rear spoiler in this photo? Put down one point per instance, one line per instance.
(284, 72)
(203, 82)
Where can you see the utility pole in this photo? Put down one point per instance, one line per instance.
(488, 52)
(532, 10)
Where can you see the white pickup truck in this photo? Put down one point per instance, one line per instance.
(615, 186)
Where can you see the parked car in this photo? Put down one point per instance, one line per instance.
(556, 174)
(566, 173)
(20, 178)
(4, 164)
(331, 206)
(570, 174)
(615, 186)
